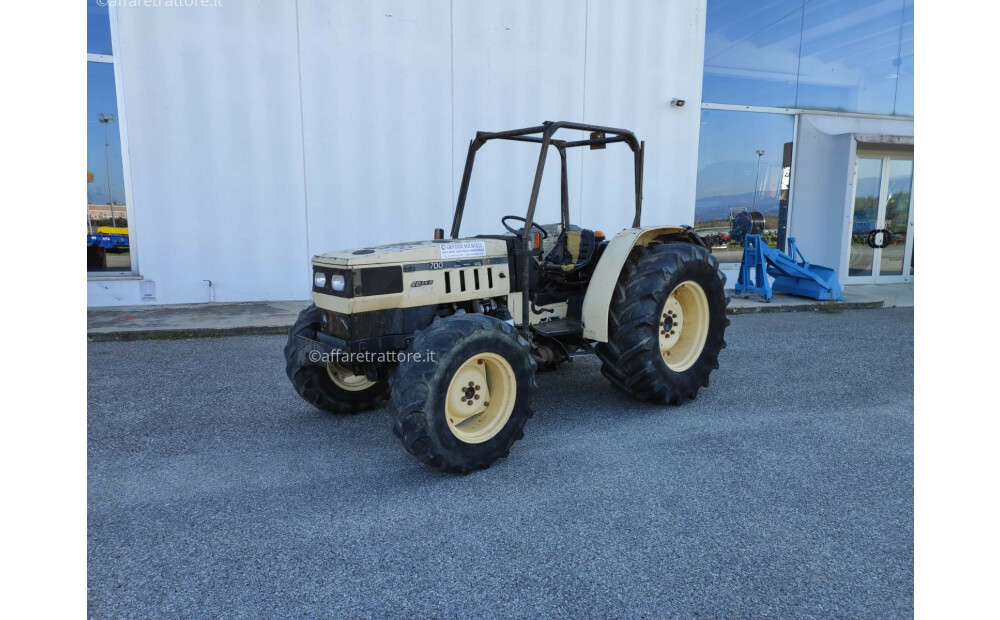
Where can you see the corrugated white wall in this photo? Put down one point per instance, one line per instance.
(261, 133)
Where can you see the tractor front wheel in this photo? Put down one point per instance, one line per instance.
(463, 394)
(330, 386)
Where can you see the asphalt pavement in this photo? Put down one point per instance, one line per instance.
(784, 491)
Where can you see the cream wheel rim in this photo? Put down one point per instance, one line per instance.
(347, 380)
(683, 326)
(480, 398)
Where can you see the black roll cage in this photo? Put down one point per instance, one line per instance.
(599, 138)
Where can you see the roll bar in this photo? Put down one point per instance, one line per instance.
(600, 137)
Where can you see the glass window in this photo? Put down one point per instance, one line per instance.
(744, 161)
(107, 221)
(904, 83)
(98, 28)
(897, 216)
(868, 187)
(850, 52)
(845, 55)
(752, 52)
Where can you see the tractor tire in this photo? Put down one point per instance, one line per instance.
(667, 323)
(463, 403)
(329, 387)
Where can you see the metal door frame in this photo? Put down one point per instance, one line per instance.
(883, 199)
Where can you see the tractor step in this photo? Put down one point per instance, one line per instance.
(558, 327)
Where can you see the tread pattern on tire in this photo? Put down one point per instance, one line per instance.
(631, 358)
(314, 385)
(415, 398)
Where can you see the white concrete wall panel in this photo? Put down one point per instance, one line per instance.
(215, 149)
(517, 64)
(376, 100)
(641, 56)
(823, 181)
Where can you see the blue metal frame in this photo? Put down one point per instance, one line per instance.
(790, 276)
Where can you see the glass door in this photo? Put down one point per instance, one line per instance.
(882, 224)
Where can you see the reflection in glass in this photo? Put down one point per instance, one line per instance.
(868, 184)
(848, 55)
(904, 83)
(740, 168)
(98, 28)
(106, 207)
(752, 52)
(897, 216)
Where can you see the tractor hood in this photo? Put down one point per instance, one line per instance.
(404, 275)
(445, 250)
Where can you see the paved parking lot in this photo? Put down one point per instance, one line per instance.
(785, 490)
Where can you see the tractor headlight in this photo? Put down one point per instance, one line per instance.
(319, 279)
(337, 282)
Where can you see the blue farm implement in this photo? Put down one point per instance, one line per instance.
(107, 241)
(100, 242)
(791, 275)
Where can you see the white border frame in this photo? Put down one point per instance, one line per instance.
(772, 110)
(115, 60)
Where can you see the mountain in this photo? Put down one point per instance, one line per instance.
(717, 207)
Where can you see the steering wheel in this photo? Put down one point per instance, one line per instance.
(503, 220)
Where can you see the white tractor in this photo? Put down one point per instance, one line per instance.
(453, 330)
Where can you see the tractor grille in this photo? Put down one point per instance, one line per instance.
(378, 322)
(471, 279)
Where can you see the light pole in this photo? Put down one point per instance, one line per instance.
(756, 180)
(104, 119)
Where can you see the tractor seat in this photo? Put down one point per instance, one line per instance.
(572, 251)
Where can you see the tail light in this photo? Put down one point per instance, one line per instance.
(536, 241)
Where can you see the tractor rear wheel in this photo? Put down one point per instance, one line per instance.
(667, 323)
(462, 397)
(329, 386)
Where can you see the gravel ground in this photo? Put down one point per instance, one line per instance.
(785, 490)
